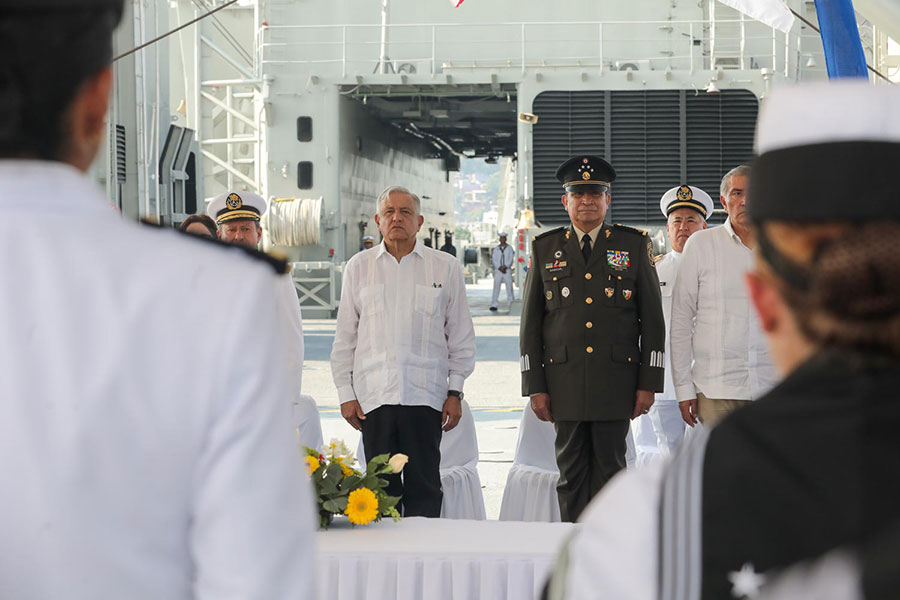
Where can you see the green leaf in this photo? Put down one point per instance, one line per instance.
(333, 473)
(341, 503)
(333, 506)
(350, 483)
(377, 463)
(327, 488)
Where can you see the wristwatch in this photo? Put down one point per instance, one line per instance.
(456, 393)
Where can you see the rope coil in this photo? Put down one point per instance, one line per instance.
(294, 221)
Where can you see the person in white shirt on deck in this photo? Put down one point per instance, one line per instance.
(403, 346)
(142, 453)
(719, 356)
(502, 258)
(661, 431)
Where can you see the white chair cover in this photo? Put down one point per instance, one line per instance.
(530, 493)
(463, 498)
(307, 422)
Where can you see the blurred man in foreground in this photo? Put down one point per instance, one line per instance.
(142, 447)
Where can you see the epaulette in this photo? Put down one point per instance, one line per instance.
(630, 229)
(551, 232)
(658, 258)
(279, 265)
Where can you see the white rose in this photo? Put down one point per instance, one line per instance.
(397, 462)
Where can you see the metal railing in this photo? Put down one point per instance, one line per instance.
(436, 48)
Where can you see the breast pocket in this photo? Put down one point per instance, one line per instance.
(429, 300)
(371, 299)
(558, 289)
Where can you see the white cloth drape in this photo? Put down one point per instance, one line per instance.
(463, 498)
(307, 422)
(530, 493)
(437, 559)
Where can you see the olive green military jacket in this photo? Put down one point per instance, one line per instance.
(592, 334)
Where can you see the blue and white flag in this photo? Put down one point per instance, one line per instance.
(844, 54)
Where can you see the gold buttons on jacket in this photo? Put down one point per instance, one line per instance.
(589, 349)
(588, 300)
(588, 324)
(587, 275)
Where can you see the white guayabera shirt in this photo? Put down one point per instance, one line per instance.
(717, 345)
(404, 333)
(143, 402)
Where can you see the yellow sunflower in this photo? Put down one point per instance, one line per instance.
(362, 506)
(312, 463)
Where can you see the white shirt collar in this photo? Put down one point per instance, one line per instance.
(46, 184)
(419, 249)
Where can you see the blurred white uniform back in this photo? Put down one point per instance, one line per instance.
(143, 452)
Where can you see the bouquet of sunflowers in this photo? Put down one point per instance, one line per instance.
(342, 489)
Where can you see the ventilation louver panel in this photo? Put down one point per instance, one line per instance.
(648, 141)
(120, 154)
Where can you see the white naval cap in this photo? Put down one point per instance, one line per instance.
(502, 234)
(686, 196)
(827, 152)
(368, 238)
(236, 205)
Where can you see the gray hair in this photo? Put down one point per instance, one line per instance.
(739, 171)
(396, 189)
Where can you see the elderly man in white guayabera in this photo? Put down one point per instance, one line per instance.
(403, 346)
(720, 360)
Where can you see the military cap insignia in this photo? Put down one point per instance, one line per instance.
(549, 295)
(585, 160)
(233, 201)
(627, 294)
(585, 175)
(565, 292)
(610, 292)
(618, 259)
(685, 193)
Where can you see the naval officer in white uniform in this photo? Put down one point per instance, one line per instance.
(237, 214)
(660, 432)
(502, 258)
(142, 453)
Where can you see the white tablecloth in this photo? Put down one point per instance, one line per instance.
(437, 559)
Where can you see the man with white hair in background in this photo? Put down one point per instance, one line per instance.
(403, 347)
(502, 258)
(660, 432)
(719, 357)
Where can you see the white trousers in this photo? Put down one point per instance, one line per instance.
(502, 278)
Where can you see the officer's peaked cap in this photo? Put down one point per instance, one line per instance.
(585, 170)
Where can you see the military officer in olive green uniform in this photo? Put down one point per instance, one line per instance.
(592, 333)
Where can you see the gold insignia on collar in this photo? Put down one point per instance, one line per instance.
(233, 201)
(568, 233)
(608, 233)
